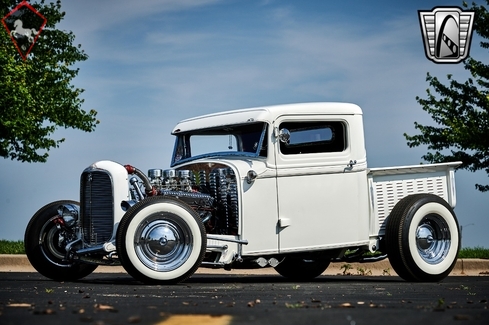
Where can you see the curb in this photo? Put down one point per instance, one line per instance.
(464, 267)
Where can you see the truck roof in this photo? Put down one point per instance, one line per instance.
(265, 114)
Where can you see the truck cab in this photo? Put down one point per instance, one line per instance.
(309, 161)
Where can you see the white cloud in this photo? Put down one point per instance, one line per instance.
(93, 16)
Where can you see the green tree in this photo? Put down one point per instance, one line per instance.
(461, 112)
(36, 95)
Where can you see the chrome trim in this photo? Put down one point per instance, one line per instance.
(221, 154)
(163, 245)
(215, 264)
(239, 241)
(69, 213)
(221, 247)
(251, 176)
(135, 185)
(433, 239)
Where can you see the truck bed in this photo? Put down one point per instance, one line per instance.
(389, 185)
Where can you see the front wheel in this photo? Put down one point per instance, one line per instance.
(302, 269)
(422, 238)
(45, 246)
(161, 240)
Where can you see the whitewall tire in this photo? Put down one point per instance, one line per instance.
(161, 240)
(422, 238)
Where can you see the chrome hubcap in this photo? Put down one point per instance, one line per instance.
(433, 239)
(163, 242)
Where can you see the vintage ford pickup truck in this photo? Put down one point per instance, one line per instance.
(282, 186)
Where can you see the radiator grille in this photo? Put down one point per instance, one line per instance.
(97, 214)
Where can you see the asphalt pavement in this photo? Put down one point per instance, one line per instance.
(236, 299)
(346, 294)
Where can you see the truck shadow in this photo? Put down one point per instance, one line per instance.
(125, 279)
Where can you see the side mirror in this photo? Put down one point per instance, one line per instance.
(251, 176)
(284, 136)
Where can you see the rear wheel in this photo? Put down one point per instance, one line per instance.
(422, 238)
(302, 269)
(161, 240)
(44, 246)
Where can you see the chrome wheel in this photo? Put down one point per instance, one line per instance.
(50, 245)
(163, 242)
(433, 239)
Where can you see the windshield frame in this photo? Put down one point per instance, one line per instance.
(182, 143)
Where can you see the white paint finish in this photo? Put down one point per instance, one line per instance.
(259, 216)
(452, 193)
(325, 211)
(257, 203)
(324, 201)
(413, 169)
(120, 185)
(265, 114)
(389, 185)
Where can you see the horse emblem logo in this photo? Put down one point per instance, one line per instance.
(24, 24)
(20, 32)
(447, 33)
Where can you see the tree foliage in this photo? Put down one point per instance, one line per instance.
(36, 95)
(461, 112)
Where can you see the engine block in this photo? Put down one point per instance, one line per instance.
(212, 194)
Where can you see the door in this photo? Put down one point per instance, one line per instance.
(321, 183)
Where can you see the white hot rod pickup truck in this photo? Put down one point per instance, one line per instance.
(283, 186)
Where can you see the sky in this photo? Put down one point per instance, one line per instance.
(153, 63)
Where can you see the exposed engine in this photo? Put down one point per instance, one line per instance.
(211, 192)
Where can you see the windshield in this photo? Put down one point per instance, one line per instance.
(237, 140)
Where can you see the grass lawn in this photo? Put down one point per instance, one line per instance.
(11, 247)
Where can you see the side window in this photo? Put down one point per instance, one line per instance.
(313, 137)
